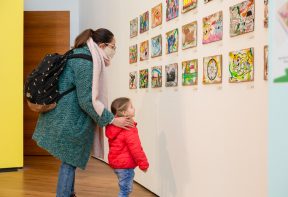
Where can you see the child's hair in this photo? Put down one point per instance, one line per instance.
(119, 105)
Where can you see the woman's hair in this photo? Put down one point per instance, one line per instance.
(119, 105)
(99, 36)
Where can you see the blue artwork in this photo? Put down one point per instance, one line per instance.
(172, 41)
(156, 43)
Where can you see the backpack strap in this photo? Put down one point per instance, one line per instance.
(82, 56)
(65, 93)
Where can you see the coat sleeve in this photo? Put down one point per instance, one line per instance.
(134, 145)
(83, 82)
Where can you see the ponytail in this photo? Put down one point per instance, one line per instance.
(99, 36)
(82, 38)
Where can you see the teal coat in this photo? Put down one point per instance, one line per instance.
(67, 131)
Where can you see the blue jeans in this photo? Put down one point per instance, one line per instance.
(66, 180)
(125, 178)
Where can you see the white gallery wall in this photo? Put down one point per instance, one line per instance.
(204, 140)
(58, 5)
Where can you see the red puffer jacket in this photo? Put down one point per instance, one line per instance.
(125, 150)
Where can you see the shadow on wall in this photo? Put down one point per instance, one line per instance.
(167, 177)
(172, 164)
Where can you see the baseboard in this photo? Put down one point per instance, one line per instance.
(2, 170)
(134, 180)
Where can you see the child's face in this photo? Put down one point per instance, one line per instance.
(130, 112)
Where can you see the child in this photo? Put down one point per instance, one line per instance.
(125, 150)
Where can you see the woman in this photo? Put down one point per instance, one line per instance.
(67, 132)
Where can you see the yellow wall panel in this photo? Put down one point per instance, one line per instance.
(11, 84)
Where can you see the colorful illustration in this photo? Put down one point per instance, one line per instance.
(189, 5)
(190, 72)
(144, 78)
(156, 15)
(282, 64)
(266, 13)
(212, 69)
(172, 9)
(172, 41)
(156, 46)
(242, 18)
(171, 71)
(283, 78)
(241, 65)
(134, 27)
(213, 28)
(144, 50)
(144, 22)
(156, 77)
(207, 1)
(266, 66)
(133, 80)
(283, 16)
(189, 35)
(133, 55)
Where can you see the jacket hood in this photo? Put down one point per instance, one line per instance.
(112, 131)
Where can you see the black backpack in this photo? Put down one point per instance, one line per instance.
(41, 86)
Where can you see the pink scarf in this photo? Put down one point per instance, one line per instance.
(99, 93)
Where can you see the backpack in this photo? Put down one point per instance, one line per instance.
(41, 86)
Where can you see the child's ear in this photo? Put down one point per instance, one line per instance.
(121, 113)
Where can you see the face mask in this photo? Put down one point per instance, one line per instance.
(109, 52)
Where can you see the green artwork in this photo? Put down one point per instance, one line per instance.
(190, 72)
(282, 79)
(143, 80)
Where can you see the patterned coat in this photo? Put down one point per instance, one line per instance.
(67, 132)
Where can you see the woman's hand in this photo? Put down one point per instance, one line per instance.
(123, 122)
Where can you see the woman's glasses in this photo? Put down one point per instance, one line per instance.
(111, 45)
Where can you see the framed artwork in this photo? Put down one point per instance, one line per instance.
(241, 65)
(133, 54)
(133, 80)
(189, 35)
(189, 5)
(266, 11)
(156, 46)
(212, 69)
(172, 41)
(266, 66)
(134, 27)
(207, 1)
(213, 28)
(156, 77)
(242, 18)
(157, 15)
(144, 50)
(190, 72)
(283, 16)
(144, 22)
(172, 9)
(171, 71)
(144, 78)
